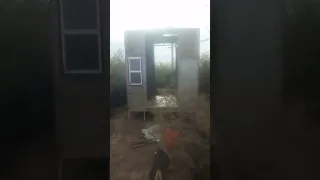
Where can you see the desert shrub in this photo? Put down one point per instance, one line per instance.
(165, 77)
(117, 80)
(204, 73)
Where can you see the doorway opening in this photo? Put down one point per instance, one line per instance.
(161, 66)
(165, 68)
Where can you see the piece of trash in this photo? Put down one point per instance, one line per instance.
(152, 133)
(170, 138)
(142, 143)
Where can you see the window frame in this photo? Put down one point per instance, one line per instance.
(132, 71)
(79, 32)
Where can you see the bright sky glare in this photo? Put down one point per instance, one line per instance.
(149, 14)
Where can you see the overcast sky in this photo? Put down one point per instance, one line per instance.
(149, 14)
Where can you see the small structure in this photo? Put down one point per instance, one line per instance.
(140, 65)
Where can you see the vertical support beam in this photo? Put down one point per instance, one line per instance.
(188, 57)
(172, 57)
(150, 67)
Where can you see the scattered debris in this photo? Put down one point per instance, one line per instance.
(166, 101)
(127, 163)
(152, 133)
(142, 143)
(190, 157)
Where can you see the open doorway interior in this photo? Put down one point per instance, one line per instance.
(162, 74)
(165, 68)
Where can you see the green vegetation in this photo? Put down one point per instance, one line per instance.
(117, 80)
(165, 78)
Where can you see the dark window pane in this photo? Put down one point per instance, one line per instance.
(135, 65)
(82, 52)
(135, 78)
(80, 14)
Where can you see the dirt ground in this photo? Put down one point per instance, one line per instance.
(127, 163)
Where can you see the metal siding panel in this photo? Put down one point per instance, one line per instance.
(188, 56)
(135, 46)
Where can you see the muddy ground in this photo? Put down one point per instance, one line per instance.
(127, 163)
